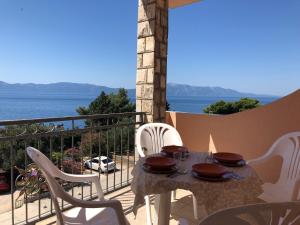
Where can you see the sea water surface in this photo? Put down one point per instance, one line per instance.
(16, 107)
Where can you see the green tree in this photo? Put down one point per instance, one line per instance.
(168, 107)
(111, 103)
(109, 139)
(224, 108)
(17, 147)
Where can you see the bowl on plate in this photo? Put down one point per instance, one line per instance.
(227, 157)
(209, 170)
(160, 163)
(169, 150)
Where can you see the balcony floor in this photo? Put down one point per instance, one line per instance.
(182, 207)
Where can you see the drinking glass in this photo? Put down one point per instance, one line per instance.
(178, 157)
(210, 158)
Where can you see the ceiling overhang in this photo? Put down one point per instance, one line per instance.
(178, 3)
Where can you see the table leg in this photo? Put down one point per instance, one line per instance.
(162, 209)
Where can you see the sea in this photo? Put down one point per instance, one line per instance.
(15, 107)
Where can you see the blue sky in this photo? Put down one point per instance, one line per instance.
(250, 46)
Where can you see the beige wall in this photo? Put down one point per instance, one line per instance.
(249, 133)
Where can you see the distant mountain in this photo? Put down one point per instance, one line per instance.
(66, 89)
(71, 90)
(177, 90)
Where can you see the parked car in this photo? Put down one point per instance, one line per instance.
(4, 185)
(104, 164)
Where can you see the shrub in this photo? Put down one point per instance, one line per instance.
(224, 108)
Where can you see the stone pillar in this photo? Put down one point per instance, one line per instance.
(152, 47)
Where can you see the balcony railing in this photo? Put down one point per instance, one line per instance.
(72, 143)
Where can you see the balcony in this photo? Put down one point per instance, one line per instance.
(81, 138)
(113, 136)
(69, 142)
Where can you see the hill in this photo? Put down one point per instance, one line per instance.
(77, 90)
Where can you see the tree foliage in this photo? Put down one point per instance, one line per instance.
(15, 150)
(111, 103)
(168, 106)
(224, 108)
(109, 141)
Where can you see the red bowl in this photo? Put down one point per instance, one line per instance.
(171, 149)
(209, 170)
(160, 163)
(228, 157)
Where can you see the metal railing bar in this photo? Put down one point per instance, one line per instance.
(39, 207)
(72, 166)
(91, 152)
(64, 132)
(51, 149)
(107, 153)
(12, 182)
(26, 164)
(115, 158)
(121, 150)
(68, 118)
(62, 159)
(81, 184)
(128, 152)
(99, 153)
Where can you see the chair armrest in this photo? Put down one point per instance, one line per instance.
(114, 204)
(84, 178)
(261, 159)
(258, 160)
(78, 178)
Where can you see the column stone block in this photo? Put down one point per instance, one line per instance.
(141, 76)
(141, 45)
(150, 76)
(140, 61)
(150, 44)
(148, 59)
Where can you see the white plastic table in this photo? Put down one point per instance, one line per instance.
(213, 195)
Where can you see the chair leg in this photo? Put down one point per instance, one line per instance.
(173, 195)
(195, 206)
(148, 210)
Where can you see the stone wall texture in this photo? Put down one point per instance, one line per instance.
(152, 50)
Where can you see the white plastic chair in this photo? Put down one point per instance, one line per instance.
(283, 213)
(102, 212)
(285, 189)
(150, 138)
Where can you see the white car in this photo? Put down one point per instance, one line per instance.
(105, 164)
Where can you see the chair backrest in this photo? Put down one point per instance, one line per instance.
(50, 171)
(287, 147)
(151, 137)
(287, 213)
